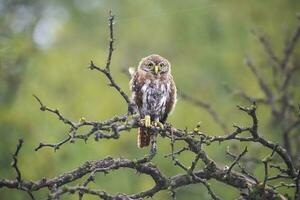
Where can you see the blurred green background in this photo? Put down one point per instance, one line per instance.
(46, 47)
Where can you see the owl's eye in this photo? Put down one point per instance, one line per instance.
(163, 67)
(150, 64)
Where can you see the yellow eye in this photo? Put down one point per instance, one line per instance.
(150, 64)
(161, 64)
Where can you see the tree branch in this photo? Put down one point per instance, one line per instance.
(15, 160)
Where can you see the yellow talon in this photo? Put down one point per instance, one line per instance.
(161, 125)
(158, 124)
(146, 121)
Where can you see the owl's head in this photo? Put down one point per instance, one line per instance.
(155, 64)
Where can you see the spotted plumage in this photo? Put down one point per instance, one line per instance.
(154, 92)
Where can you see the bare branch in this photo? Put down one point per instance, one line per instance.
(55, 111)
(106, 69)
(252, 112)
(266, 174)
(290, 47)
(111, 40)
(54, 146)
(243, 95)
(268, 49)
(264, 86)
(177, 152)
(15, 160)
(236, 160)
(243, 169)
(112, 81)
(79, 189)
(257, 138)
(286, 139)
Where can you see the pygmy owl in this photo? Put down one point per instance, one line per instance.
(154, 93)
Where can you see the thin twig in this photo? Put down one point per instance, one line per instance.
(177, 152)
(286, 133)
(106, 70)
(15, 160)
(55, 111)
(263, 85)
(266, 174)
(290, 47)
(268, 49)
(111, 40)
(236, 160)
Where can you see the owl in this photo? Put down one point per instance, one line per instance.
(154, 93)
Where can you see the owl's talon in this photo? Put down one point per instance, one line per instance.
(161, 125)
(158, 124)
(146, 121)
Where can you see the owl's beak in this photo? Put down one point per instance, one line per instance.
(156, 69)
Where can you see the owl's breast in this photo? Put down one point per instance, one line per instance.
(155, 95)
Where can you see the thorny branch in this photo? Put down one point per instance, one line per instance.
(195, 142)
(106, 69)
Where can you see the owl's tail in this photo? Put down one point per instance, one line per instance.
(143, 138)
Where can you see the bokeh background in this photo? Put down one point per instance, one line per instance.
(46, 47)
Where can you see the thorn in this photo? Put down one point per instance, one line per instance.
(92, 66)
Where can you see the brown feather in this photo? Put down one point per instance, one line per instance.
(143, 138)
(171, 102)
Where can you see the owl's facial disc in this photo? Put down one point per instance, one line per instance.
(157, 68)
(155, 65)
(148, 66)
(163, 67)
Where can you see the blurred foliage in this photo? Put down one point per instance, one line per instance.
(46, 46)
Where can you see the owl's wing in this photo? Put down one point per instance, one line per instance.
(135, 86)
(134, 82)
(171, 101)
(132, 71)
